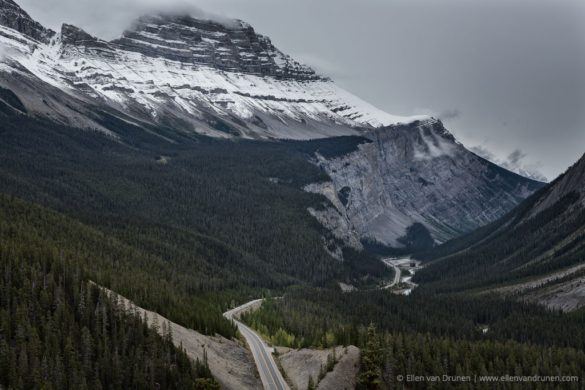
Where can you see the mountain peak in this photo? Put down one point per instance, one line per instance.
(75, 36)
(189, 20)
(213, 76)
(229, 45)
(14, 17)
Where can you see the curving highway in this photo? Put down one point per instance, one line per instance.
(400, 264)
(397, 273)
(269, 373)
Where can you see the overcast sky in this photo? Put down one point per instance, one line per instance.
(506, 76)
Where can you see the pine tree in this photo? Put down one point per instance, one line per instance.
(371, 360)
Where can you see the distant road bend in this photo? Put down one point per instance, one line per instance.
(269, 373)
(397, 273)
(410, 266)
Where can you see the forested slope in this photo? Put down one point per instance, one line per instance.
(59, 331)
(206, 220)
(542, 236)
(425, 334)
(107, 261)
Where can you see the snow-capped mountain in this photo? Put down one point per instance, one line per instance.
(14, 17)
(218, 79)
(222, 79)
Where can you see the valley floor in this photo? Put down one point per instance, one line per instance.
(404, 269)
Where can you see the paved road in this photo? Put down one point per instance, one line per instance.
(269, 374)
(397, 273)
(399, 265)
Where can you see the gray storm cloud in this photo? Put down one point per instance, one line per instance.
(107, 19)
(516, 156)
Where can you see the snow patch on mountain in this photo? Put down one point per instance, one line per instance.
(215, 79)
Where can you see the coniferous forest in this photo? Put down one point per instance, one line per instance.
(204, 221)
(189, 231)
(59, 331)
(186, 231)
(433, 336)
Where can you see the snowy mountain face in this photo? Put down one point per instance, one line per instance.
(222, 79)
(14, 17)
(216, 79)
(231, 48)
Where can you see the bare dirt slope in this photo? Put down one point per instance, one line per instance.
(230, 362)
(344, 374)
(566, 296)
(301, 364)
(561, 290)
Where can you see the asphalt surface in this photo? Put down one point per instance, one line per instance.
(399, 265)
(397, 273)
(269, 374)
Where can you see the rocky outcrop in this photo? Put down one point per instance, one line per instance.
(413, 175)
(74, 36)
(334, 216)
(11, 15)
(300, 365)
(567, 296)
(561, 290)
(232, 46)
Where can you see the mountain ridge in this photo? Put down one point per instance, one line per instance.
(533, 253)
(412, 175)
(178, 78)
(199, 75)
(13, 16)
(234, 47)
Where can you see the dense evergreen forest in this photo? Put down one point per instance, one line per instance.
(208, 222)
(395, 360)
(430, 335)
(112, 263)
(325, 317)
(59, 331)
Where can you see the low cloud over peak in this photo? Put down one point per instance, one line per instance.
(513, 162)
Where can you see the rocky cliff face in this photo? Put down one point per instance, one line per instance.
(533, 253)
(233, 47)
(75, 38)
(412, 175)
(11, 15)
